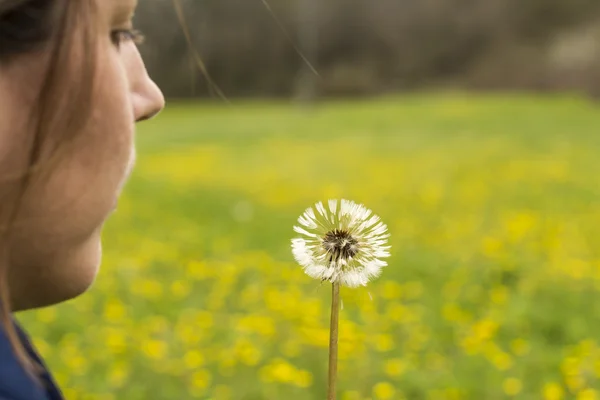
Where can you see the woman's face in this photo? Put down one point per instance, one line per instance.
(55, 248)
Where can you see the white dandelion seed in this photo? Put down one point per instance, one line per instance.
(342, 243)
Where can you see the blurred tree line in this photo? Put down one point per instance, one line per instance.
(260, 47)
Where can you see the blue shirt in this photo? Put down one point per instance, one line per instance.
(15, 382)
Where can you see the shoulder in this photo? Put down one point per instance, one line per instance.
(15, 383)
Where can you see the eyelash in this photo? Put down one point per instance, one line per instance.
(122, 35)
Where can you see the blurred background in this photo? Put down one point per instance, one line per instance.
(470, 126)
(359, 47)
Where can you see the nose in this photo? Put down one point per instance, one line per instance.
(148, 100)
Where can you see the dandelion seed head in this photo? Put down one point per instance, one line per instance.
(340, 245)
(341, 242)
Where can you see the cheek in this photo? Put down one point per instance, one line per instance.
(76, 198)
(103, 157)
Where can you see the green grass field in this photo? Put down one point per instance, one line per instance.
(492, 289)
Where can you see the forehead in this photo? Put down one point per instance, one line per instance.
(118, 9)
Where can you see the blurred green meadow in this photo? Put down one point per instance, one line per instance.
(492, 290)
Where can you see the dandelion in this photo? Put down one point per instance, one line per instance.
(344, 245)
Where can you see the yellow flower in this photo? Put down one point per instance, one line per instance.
(114, 311)
(198, 270)
(391, 290)
(257, 323)
(452, 312)
(519, 346)
(180, 289)
(512, 386)
(587, 347)
(596, 368)
(498, 357)
(250, 355)
(499, 295)
(148, 288)
(396, 312)
(384, 391)
(204, 320)
(518, 225)
(384, 342)
(46, 315)
(470, 345)
(115, 340)
(193, 359)
(188, 334)
(201, 379)
(587, 394)
(395, 367)
(303, 379)
(154, 349)
(118, 374)
(485, 329)
(570, 366)
(492, 247)
(574, 382)
(282, 371)
(553, 391)
(315, 336)
(77, 363)
(351, 395)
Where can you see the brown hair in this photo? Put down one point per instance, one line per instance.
(26, 26)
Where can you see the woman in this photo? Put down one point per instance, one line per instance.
(72, 86)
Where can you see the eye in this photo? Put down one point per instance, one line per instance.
(119, 36)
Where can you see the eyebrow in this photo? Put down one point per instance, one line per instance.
(124, 8)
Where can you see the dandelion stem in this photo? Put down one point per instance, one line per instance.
(333, 340)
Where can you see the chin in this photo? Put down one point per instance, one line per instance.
(68, 276)
(80, 271)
